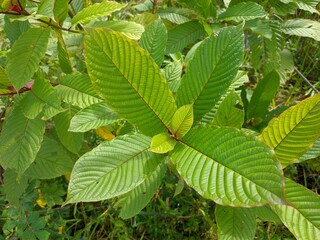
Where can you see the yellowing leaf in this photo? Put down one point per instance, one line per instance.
(105, 133)
(41, 203)
(162, 143)
(182, 120)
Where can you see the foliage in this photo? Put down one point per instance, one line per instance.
(106, 106)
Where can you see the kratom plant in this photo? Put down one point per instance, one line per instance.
(162, 106)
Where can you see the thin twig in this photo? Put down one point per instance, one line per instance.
(306, 80)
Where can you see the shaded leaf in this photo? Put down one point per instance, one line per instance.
(25, 55)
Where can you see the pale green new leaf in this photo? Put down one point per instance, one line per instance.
(235, 223)
(211, 71)
(183, 35)
(162, 143)
(96, 10)
(229, 167)
(302, 28)
(121, 72)
(243, 12)
(154, 40)
(25, 55)
(294, 131)
(112, 169)
(230, 112)
(20, 141)
(71, 140)
(92, 117)
(135, 200)
(52, 161)
(14, 186)
(302, 215)
(182, 121)
(130, 29)
(76, 89)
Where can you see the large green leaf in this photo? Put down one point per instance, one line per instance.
(25, 55)
(76, 89)
(302, 215)
(294, 131)
(243, 12)
(112, 169)
(229, 167)
(302, 28)
(183, 35)
(235, 223)
(30, 105)
(92, 117)
(134, 201)
(177, 15)
(71, 140)
(130, 29)
(60, 10)
(211, 71)
(96, 10)
(20, 141)
(52, 161)
(126, 87)
(154, 40)
(313, 152)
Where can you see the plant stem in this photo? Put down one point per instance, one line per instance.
(306, 80)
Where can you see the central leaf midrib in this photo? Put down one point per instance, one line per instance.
(132, 87)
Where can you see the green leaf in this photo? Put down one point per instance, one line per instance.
(129, 29)
(229, 167)
(302, 28)
(96, 10)
(126, 87)
(30, 105)
(112, 169)
(162, 143)
(313, 152)
(302, 215)
(60, 10)
(135, 200)
(46, 8)
(211, 71)
(263, 94)
(72, 141)
(230, 112)
(172, 72)
(243, 12)
(177, 15)
(182, 121)
(92, 117)
(20, 141)
(13, 186)
(183, 35)
(25, 55)
(235, 223)
(266, 214)
(154, 40)
(63, 54)
(14, 29)
(260, 27)
(76, 89)
(294, 131)
(52, 161)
